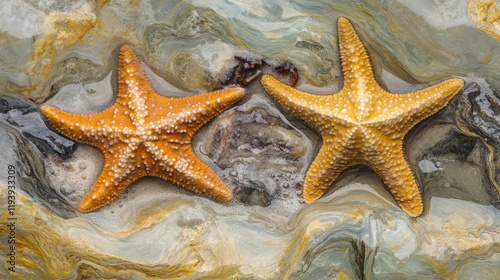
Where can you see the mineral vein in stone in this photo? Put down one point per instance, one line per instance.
(362, 123)
(145, 134)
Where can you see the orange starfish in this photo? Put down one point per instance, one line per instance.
(146, 134)
(362, 123)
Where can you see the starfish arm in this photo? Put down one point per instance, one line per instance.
(396, 174)
(83, 128)
(413, 107)
(112, 181)
(195, 175)
(194, 111)
(69, 124)
(330, 161)
(131, 77)
(134, 88)
(298, 103)
(355, 60)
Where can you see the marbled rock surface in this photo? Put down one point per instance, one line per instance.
(64, 53)
(260, 152)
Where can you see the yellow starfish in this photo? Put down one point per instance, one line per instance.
(146, 134)
(362, 123)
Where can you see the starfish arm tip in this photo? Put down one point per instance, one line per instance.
(125, 48)
(98, 197)
(458, 83)
(93, 200)
(308, 200)
(452, 86)
(46, 110)
(219, 191)
(55, 116)
(266, 79)
(126, 51)
(226, 196)
(237, 92)
(273, 86)
(86, 206)
(222, 193)
(342, 20)
(270, 84)
(343, 24)
(310, 194)
(414, 210)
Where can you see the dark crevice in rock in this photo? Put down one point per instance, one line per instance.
(456, 143)
(31, 176)
(478, 115)
(359, 258)
(31, 139)
(26, 119)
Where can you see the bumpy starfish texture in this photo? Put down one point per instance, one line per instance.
(146, 134)
(362, 123)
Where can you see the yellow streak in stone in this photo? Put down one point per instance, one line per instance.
(50, 248)
(64, 29)
(486, 15)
